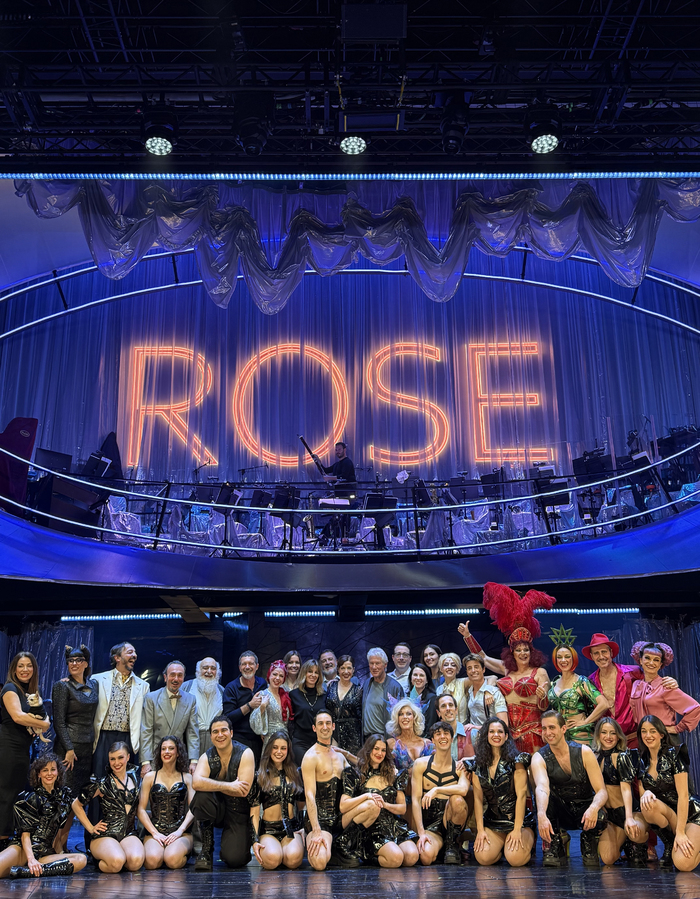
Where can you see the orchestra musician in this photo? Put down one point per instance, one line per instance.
(341, 474)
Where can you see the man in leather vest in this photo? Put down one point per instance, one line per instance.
(570, 794)
(222, 780)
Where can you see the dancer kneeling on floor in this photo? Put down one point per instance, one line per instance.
(222, 780)
(322, 773)
(277, 832)
(504, 825)
(570, 794)
(438, 791)
(168, 788)
(373, 799)
(665, 800)
(114, 844)
(626, 826)
(40, 813)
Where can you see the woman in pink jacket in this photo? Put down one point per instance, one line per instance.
(648, 696)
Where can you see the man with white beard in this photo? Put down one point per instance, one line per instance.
(208, 693)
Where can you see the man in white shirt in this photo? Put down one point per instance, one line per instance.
(483, 699)
(209, 695)
(401, 658)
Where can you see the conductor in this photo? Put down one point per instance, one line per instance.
(341, 473)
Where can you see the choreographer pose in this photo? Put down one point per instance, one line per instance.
(580, 703)
(625, 821)
(503, 823)
(276, 799)
(570, 794)
(222, 780)
(438, 796)
(666, 802)
(322, 774)
(372, 802)
(275, 710)
(168, 789)
(40, 814)
(114, 843)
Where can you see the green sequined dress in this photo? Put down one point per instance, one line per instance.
(580, 699)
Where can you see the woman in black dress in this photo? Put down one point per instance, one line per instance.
(344, 702)
(499, 780)
(22, 715)
(423, 693)
(307, 699)
(74, 702)
(168, 788)
(39, 815)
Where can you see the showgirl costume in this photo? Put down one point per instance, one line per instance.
(524, 717)
(168, 806)
(347, 714)
(500, 797)
(671, 761)
(113, 804)
(402, 757)
(388, 828)
(41, 814)
(286, 795)
(614, 774)
(579, 699)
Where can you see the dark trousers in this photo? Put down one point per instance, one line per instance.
(221, 812)
(567, 814)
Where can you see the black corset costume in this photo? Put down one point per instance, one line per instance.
(500, 797)
(433, 815)
(113, 804)
(574, 787)
(327, 806)
(388, 828)
(41, 814)
(614, 774)
(671, 761)
(168, 806)
(284, 795)
(237, 804)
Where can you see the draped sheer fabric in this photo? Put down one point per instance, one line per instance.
(274, 234)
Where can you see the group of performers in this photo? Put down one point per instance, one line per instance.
(401, 768)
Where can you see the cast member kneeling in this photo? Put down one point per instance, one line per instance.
(504, 825)
(40, 814)
(570, 794)
(626, 826)
(168, 788)
(114, 842)
(373, 799)
(278, 837)
(222, 780)
(438, 791)
(665, 800)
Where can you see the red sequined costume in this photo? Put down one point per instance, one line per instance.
(524, 717)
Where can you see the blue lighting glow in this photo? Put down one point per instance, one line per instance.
(302, 614)
(339, 176)
(158, 616)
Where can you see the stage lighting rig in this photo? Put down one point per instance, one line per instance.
(160, 130)
(353, 145)
(454, 124)
(253, 121)
(543, 128)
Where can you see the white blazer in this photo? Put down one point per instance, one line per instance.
(139, 688)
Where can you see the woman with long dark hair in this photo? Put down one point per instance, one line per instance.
(307, 699)
(430, 657)
(275, 711)
(665, 800)
(423, 693)
(292, 660)
(678, 711)
(344, 702)
(625, 821)
(40, 814)
(22, 716)
(384, 835)
(168, 788)
(499, 781)
(275, 800)
(114, 843)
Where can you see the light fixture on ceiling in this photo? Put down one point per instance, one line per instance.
(454, 124)
(160, 131)
(253, 120)
(543, 128)
(353, 145)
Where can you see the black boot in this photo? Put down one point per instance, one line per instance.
(62, 867)
(667, 837)
(555, 855)
(346, 850)
(453, 855)
(636, 854)
(205, 859)
(589, 849)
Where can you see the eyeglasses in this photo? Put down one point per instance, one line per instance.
(75, 661)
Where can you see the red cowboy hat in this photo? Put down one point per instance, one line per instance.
(600, 640)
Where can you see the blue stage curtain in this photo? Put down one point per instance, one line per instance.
(275, 232)
(48, 643)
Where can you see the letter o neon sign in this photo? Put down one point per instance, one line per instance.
(243, 383)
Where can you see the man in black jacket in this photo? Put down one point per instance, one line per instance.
(241, 696)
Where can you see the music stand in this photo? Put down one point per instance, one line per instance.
(287, 497)
(226, 492)
(493, 486)
(377, 501)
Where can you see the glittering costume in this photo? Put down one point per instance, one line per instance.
(117, 806)
(41, 814)
(402, 757)
(268, 721)
(614, 774)
(388, 828)
(433, 816)
(347, 714)
(671, 761)
(73, 709)
(524, 717)
(579, 699)
(499, 794)
(328, 794)
(286, 795)
(168, 806)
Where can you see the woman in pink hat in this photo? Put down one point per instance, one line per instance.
(648, 696)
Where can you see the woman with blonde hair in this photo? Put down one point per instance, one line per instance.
(449, 665)
(406, 727)
(307, 698)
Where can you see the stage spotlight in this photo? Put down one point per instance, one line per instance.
(252, 121)
(454, 124)
(353, 145)
(543, 129)
(160, 131)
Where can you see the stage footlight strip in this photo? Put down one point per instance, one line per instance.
(382, 613)
(346, 176)
(557, 611)
(169, 616)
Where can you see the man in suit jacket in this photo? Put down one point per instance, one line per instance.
(119, 706)
(169, 712)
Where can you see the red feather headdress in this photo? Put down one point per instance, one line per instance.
(513, 614)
